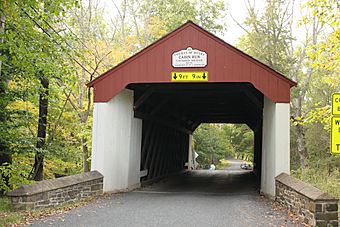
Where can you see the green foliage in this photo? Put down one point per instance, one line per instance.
(215, 142)
(268, 36)
(4, 204)
(324, 177)
(210, 144)
(241, 139)
(157, 17)
(8, 218)
(16, 173)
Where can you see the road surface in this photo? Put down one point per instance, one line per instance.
(197, 198)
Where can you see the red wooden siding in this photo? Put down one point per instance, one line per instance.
(225, 64)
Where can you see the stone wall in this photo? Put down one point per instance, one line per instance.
(50, 193)
(313, 206)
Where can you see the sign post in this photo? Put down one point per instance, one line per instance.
(335, 124)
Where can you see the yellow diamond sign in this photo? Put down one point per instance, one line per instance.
(335, 135)
(336, 104)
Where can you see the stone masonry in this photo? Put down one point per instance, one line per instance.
(50, 193)
(314, 207)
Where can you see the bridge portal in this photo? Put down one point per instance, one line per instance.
(147, 108)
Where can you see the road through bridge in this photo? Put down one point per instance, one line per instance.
(195, 198)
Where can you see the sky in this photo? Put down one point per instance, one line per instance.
(236, 9)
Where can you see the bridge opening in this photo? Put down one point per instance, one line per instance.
(172, 112)
(217, 143)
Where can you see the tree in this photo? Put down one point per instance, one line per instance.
(210, 144)
(241, 140)
(91, 38)
(270, 39)
(154, 18)
(32, 22)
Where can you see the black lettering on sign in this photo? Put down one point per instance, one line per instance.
(338, 108)
(337, 100)
(337, 147)
(337, 122)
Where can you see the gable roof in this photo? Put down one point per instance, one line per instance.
(153, 65)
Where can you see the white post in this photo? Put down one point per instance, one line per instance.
(116, 142)
(191, 156)
(275, 145)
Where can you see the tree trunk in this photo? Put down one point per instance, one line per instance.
(301, 145)
(85, 149)
(38, 167)
(301, 140)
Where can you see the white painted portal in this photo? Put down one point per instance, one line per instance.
(117, 137)
(275, 144)
(116, 142)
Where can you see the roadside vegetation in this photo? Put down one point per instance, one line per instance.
(49, 50)
(215, 143)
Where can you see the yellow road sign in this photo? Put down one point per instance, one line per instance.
(336, 104)
(189, 76)
(335, 135)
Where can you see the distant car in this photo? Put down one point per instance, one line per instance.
(245, 166)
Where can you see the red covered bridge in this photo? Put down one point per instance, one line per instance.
(147, 107)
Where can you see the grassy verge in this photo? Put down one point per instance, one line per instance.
(11, 218)
(7, 217)
(223, 164)
(321, 178)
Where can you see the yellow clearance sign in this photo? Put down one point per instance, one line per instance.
(335, 135)
(336, 104)
(189, 76)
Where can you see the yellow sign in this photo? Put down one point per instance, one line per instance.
(336, 104)
(189, 76)
(335, 135)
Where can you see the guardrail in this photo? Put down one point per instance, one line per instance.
(54, 192)
(314, 207)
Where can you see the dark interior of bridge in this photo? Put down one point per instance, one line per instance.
(171, 112)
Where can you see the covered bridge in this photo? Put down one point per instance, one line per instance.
(147, 107)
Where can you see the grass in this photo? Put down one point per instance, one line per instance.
(8, 218)
(320, 177)
(14, 218)
(223, 164)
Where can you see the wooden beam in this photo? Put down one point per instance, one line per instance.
(143, 98)
(159, 105)
(162, 121)
(253, 99)
(195, 125)
(198, 86)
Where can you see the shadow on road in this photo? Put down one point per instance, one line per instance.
(232, 181)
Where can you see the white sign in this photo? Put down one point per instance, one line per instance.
(189, 58)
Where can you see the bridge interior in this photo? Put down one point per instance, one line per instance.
(172, 112)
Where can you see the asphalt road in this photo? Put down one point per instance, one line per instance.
(197, 198)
